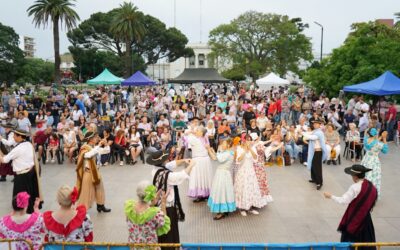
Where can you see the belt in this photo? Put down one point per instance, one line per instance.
(318, 150)
(24, 171)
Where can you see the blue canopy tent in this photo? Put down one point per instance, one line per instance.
(138, 79)
(386, 84)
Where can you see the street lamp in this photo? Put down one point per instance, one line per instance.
(322, 38)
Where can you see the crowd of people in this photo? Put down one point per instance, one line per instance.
(237, 126)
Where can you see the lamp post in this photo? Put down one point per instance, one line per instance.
(322, 39)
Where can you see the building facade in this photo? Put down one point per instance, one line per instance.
(29, 47)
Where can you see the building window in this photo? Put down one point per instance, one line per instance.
(192, 61)
(201, 60)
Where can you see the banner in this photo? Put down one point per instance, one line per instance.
(239, 246)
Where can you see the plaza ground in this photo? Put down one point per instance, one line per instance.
(299, 213)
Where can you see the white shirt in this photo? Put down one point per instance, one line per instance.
(350, 195)
(22, 157)
(174, 179)
(363, 125)
(10, 142)
(76, 114)
(24, 124)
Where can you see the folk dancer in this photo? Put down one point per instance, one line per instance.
(317, 152)
(89, 181)
(26, 168)
(6, 145)
(165, 179)
(356, 224)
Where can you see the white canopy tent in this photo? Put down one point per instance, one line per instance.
(270, 80)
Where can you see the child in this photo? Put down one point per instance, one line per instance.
(52, 148)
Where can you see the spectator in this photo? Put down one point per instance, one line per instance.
(391, 120)
(353, 141)
(332, 140)
(23, 122)
(54, 143)
(291, 146)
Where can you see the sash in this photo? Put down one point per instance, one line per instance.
(80, 168)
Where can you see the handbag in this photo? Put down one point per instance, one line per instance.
(279, 161)
(287, 159)
(333, 153)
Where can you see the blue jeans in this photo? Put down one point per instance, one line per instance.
(293, 150)
(285, 116)
(390, 129)
(295, 116)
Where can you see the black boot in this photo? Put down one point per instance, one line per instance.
(3, 178)
(102, 208)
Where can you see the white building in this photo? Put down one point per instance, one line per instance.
(201, 59)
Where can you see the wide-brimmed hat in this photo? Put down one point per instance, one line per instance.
(157, 158)
(8, 125)
(88, 136)
(21, 132)
(356, 169)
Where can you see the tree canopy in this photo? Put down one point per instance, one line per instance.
(35, 70)
(158, 42)
(258, 42)
(11, 56)
(369, 50)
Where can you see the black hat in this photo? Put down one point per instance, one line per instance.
(8, 125)
(157, 158)
(21, 132)
(356, 169)
(89, 135)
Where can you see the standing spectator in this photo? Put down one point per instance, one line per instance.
(332, 140)
(248, 115)
(5, 100)
(391, 120)
(80, 104)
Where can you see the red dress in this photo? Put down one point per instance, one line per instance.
(260, 171)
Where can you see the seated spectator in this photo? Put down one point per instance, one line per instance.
(291, 146)
(165, 138)
(353, 141)
(109, 138)
(253, 128)
(54, 143)
(332, 140)
(231, 119)
(135, 145)
(178, 124)
(79, 227)
(70, 142)
(39, 140)
(119, 145)
(41, 120)
(22, 109)
(20, 225)
(154, 142)
(262, 121)
(224, 127)
(211, 134)
(146, 126)
(62, 125)
(162, 123)
(23, 122)
(76, 114)
(50, 119)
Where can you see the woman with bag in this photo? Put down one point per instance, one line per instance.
(332, 139)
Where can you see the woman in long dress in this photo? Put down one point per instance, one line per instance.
(201, 175)
(222, 197)
(373, 146)
(247, 191)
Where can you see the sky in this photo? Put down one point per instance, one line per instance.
(195, 18)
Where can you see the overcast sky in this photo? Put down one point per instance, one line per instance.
(335, 15)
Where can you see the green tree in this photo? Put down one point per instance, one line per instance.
(157, 43)
(258, 42)
(235, 74)
(35, 70)
(55, 12)
(369, 50)
(127, 26)
(11, 56)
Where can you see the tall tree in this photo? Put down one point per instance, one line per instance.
(127, 27)
(55, 12)
(11, 56)
(258, 42)
(35, 70)
(368, 51)
(158, 42)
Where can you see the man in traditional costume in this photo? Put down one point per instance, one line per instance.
(25, 166)
(316, 152)
(6, 145)
(356, 224)
(166, 180)
(89, 182)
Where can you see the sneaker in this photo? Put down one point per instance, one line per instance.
(305, 164)
(243, 213)
(255, 212)
(105, 164)
(52, 160)
(291, 161)
(121, 163)
(127, 152)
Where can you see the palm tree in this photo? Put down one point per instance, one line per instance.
(54, 12)
(128, 27)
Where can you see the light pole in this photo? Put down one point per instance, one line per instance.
(322, 39)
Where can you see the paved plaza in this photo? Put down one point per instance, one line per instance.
(299, 213)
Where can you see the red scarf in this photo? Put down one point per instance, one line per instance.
(353, 219)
